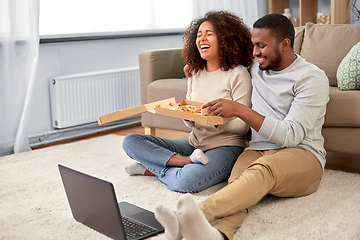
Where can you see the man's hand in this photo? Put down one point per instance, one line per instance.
(229, 108)
(187, 72)
(222, 107)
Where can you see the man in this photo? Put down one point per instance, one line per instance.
(285, 157)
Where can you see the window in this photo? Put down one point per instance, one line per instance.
(94, 17)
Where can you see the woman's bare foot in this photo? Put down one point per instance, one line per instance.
(198, 156)
(178, 161)
(148, 173)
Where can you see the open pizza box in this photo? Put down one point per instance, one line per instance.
(165, 107)
(171, 111)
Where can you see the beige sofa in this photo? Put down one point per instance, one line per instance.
(161, 74)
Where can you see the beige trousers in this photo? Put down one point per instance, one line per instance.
(288, 172)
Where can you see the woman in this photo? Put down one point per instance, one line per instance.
(218, 47)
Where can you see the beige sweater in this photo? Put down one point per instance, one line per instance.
(235, 85)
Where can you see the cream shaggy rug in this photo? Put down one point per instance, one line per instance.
(33, 203)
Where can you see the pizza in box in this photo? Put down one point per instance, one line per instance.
(192, 109)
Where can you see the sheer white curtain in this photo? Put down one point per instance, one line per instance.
(248, 10)
(19, 47)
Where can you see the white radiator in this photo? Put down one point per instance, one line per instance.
(82, 98)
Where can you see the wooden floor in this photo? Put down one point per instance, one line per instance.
(335, 161)
(164, 133)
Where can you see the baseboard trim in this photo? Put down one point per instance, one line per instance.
(61, 135)
(346, 162)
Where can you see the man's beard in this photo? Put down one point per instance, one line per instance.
(274, 63)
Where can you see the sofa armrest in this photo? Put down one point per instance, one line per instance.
(159, 64)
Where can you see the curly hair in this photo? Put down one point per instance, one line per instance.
(234, 40)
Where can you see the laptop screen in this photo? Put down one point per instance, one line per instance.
(93, 202)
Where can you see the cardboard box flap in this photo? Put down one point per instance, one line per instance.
(150, 107)
(170, 102)
(121, 114)
(188, 102)
(165, 107)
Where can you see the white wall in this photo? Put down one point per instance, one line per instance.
(62, 58)
(56, 59)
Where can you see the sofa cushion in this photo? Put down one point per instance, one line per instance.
(343, 109)
(167, 88)
(342, 140)
(159, 64)
(299, 35)
(327, 45)
(348, 73)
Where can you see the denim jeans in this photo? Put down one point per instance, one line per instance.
(154, 152)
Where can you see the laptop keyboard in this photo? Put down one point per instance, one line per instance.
(134, 229)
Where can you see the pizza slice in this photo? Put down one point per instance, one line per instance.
(193, 109)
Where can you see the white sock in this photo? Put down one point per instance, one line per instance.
(199, 156)
(135, 169)
(193, 224)
(168, 220)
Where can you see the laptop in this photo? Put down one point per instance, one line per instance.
(93, 203)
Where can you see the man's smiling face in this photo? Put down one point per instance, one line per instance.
(266, 49)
